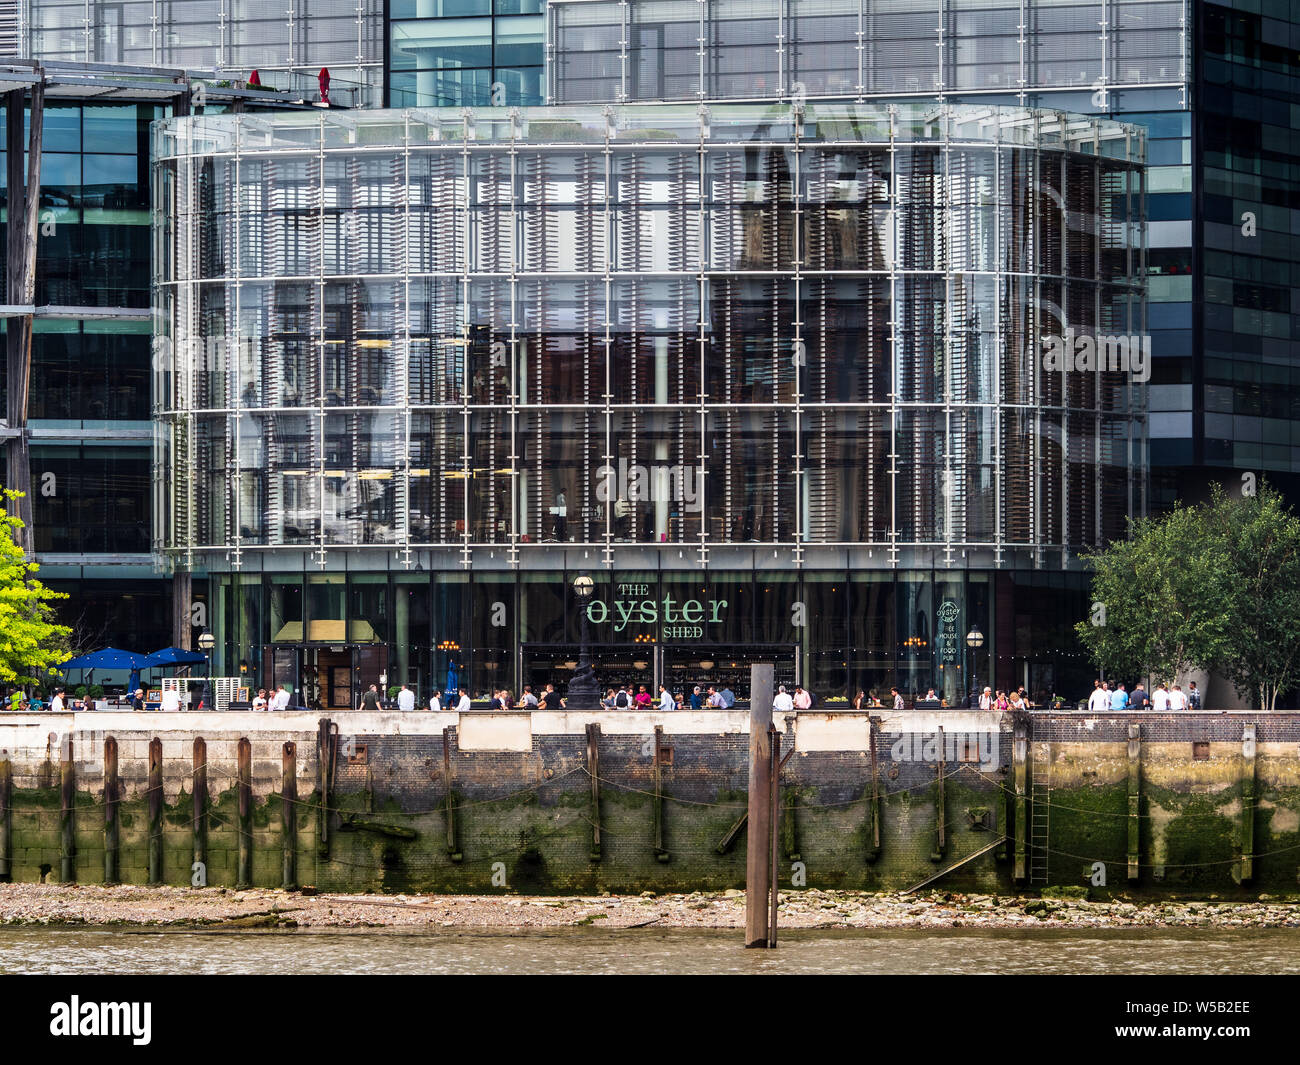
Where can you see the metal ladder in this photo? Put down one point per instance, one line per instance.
(1040, 791)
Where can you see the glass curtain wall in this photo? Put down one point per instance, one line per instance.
(648, 50)
(389, 332)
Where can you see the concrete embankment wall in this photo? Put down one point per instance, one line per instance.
(1202, 803)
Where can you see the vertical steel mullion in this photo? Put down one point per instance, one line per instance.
(466, 227)
(800, 473)
(895, 360)
(404, 362)
(702, 187)
(608, 283)
(235, 483)
(320, 342)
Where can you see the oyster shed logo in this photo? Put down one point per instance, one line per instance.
(679, 619)
(77, 1018)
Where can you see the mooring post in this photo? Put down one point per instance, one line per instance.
(67, 813)
(775, 889)
(6, 817)
(244, 786)
(199, 822)
(874, 853)
(1134, 799)
(1246, 841)
(154, 797)
(661, 855)
(940, 802)
(453, 851)
(325, 752)
(593, 771)
(112, 792)
(289, 813)
(758, 868)
(1020, 771)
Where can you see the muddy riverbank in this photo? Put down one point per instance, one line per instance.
(59, 904)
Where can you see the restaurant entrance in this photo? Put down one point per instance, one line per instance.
(327, 678)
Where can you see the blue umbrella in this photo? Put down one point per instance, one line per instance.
(453, 678)
(175, 656)
(108, 658)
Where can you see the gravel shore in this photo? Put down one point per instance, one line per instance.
(220, 908)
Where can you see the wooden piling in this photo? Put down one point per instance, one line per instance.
(593, 771)
(661, 855)
(6, 817)
(874, 852)
(453, 851)
(940, 807)
(244, 792)
(326, 751)
(758, 869)
(1134, 799)
(154, 797)
(199, 821)
(1020, 771)
(1246, 836)
(112, 833)
(289, 814)
(67, 814)
(775, 881)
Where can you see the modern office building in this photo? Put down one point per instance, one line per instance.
(1214, 84)
(772, 376)
(78, 402)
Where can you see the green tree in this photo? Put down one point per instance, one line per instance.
(31, 641)
(1262, 539)
(1160, 598)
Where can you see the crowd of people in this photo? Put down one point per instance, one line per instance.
(1105, 697)
(1163, 698)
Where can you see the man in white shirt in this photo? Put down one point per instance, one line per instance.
(1177, 699)
(986, 699)
(666, 700)
(463, 705)
(782, 703)
(435, 704)
(405, 699)
(56, 704)
(1160, 699)
(171, 700)
(1099, 700)
(281, 699)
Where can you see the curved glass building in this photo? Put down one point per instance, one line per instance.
(830, 385)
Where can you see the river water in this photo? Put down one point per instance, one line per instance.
(674, 951)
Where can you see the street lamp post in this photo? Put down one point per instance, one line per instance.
(206, 642)
(974, 640)
(583, 691)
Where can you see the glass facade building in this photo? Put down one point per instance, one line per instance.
(760, 369)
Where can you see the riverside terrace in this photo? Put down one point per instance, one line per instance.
(547, 802)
